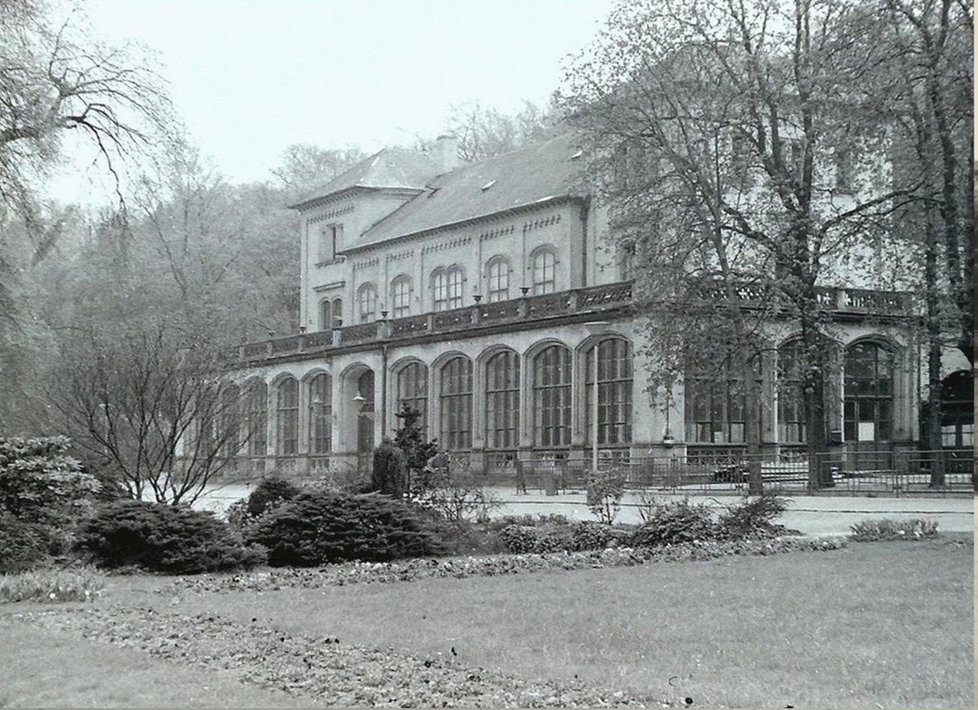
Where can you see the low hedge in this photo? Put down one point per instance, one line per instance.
(320, 527)
(163, 538)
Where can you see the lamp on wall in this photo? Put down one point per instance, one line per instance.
(595, 328)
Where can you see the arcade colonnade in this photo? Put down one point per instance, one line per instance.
(531, 397)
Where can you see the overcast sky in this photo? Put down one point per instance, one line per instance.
(250, 77)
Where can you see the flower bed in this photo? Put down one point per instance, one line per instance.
(460, 567)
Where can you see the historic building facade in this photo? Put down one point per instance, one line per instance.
(481, 294)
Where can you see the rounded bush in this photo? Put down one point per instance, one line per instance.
(588, 535)
(519, 538)
(268, 493)
(319, 527)
(163, 538)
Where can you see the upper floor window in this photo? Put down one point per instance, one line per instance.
(328, 240)
(498, 273)
(544, 272)
(446, 286)
(325, 314)
(626, 261)
(844, 170)
(337, 313)
(367, 300)
(400, 297)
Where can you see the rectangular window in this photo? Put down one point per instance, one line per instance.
(327, 242)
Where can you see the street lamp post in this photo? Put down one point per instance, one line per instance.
(595, 328)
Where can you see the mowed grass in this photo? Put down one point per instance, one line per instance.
(883, 623)
(886, 623)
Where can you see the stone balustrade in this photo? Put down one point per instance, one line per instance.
(594, 299)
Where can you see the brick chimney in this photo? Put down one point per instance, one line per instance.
(446, 152)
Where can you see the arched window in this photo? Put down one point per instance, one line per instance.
(257, 408)
(498, 275)
(792, 426)
(614, 392)
(412, 390)
(503, 400)
(287, 417)
(716, 406)
(446, 286)
(337, 313)
(455, 403)
(552, 397)
(544, 272)
(230, 421)
(367, 300)
(325, 314)
(869, 374)
(400, 297)
(320, 414)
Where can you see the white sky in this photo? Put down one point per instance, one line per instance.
(250, 77)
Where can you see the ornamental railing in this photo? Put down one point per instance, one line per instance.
(552, 305)
(595, 298)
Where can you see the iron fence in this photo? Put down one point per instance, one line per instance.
(842, 473)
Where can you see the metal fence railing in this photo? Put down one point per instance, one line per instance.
(873, 472)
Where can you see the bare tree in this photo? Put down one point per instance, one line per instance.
(745, 105)
(149, 410)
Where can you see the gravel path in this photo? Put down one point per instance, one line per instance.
(328, 671)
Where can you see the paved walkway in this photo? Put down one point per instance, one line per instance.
(812, 515)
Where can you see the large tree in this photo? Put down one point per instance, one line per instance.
(741, 113)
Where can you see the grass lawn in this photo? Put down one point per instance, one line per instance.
(884, 623)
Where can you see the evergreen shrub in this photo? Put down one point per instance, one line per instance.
(677, 522)
(754, 517)
(269, 493)
(163, 538)
(320, 527)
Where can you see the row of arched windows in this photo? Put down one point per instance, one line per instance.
(717, 409)
(447, 289)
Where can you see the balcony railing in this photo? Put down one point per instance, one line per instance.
(565, 303)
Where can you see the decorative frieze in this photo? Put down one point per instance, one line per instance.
(366, 263)
(332, 214)
(498, 232)
(400, 255)
(542, 222)
(449, 244)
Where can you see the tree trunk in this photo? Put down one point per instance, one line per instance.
(813, 388)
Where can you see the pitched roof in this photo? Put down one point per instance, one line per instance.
(529, 175)
(388, 168)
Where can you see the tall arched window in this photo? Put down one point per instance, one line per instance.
(869, 375)
(716, 405)
(400, 297)
(412, 390)
(320, 414)
(503, 400)
(257, 405)
(325, 314)
(498, 275)
(287, 417)
(446, 286)
(614, 392)
(792, 426)
(455, 403)
(552, 397)
(230, 421)
(367, 302)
